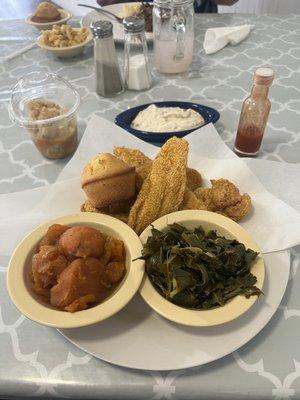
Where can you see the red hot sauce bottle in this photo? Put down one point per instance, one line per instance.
(254, 115)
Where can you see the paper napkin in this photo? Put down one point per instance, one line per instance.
(217, 38)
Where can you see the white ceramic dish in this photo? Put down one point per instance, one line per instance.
(231, 310)
(29, 304)
(145, 340)
(66, 52)
(41, 26)
(117, 28)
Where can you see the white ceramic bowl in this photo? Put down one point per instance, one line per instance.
(231, 310)
(19, 282)
(66, 52)
(41, 26)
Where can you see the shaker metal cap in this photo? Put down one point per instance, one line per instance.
(134, 24)
(101, 29)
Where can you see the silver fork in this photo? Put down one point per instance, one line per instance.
(100, 10)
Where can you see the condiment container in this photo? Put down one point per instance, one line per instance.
(136, 65)
(107, 72)
(173, 30)
(254, 115)
(33, 105)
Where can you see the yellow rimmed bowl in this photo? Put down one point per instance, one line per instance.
(19, 282)
(201, 318)
(66, 52)
(41, 26)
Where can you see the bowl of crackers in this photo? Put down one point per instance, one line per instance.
(65, 41)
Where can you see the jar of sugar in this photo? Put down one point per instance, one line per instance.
(137, 74)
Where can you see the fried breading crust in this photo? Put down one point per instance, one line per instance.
(135, 158)
(224, 193)
(191, 202)
(193, 179)
(121, 215)
(205, 196)
(239, 210)
(162, 191)
(224, 198)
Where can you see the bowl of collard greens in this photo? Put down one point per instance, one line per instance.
(202, 269)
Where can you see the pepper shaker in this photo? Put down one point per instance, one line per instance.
(136, 66)
(108, 78)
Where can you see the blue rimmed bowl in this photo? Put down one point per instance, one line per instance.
(125, 118)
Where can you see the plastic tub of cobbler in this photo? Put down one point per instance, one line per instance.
(46, 105)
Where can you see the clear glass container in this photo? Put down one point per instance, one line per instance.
(254, 115)
(107, 72)
(173, 30)
(46, 105)
(136, 64)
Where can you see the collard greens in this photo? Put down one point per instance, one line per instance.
(198, 269)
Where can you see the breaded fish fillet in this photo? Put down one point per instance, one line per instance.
(162, 191)
(193, 179)
(191, 202)
(224, 198)
(119, 214)
(137, 159)
(142, 164)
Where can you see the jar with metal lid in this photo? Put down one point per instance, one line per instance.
(107, 72)
(173, 31)
(136, 64)
(46, 105)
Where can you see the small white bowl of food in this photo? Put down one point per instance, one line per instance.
(46, 15)
(65, 41)
(202, 269)
(76, 270)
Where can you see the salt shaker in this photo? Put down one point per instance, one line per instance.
(108, 78)
(136, 66)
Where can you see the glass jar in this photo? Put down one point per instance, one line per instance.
(173, 31)
(46, 105)
(136, 64)
(108, 78)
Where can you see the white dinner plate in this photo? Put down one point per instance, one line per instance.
(137, 337)
(117, 28)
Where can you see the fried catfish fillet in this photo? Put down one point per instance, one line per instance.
(135, 158)
(239, 210)
(142, 163)
(121, 214)
(224, 198)
(193, 179)
(191, 202)
(163, 190)
(224, 193)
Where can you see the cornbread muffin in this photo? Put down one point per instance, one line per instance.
(107, 179)
(46, 12)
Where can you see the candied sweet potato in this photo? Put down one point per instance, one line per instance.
(82, 241)
(79, 284)
(53, 234)
(47, 264)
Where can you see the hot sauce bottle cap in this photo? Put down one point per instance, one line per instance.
(264, 76)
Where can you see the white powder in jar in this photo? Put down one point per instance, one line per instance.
(138, 76)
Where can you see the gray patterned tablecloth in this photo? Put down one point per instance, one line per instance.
(38, 361)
